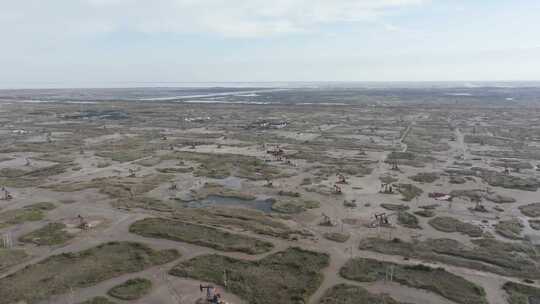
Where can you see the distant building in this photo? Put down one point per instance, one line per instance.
(268, 124)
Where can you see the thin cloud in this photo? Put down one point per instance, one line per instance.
(229, 18)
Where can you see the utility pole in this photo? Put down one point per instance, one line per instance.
(389, 273)
(350, 250)
(71, 295)
(7, 242)
(172, 291)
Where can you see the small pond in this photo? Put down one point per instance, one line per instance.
(263, 204)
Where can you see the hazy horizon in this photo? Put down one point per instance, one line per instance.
(270, 84)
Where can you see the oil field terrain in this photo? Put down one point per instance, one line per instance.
(319, 195)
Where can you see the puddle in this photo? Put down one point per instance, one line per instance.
(231, 182)
(263, 204)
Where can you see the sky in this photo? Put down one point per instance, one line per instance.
(73, 43)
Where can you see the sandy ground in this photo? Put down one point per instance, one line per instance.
(112, 224)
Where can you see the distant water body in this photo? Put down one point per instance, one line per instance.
(272, 84)
(300, 93)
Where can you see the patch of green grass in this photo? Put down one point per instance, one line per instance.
(408, 220)
(115, 187)
(19, 182)
(337, 237)
(329, 165)
(474, 195)
(289, 193)
(199, 235)
(214, 189)
(395, 207)
(44, 147)
(457, 180)
(351, 294)
(98, 300)
(425, 177)
(535, 224)
(50, 234)
(425, 213)
(126, 149)
(450, 224)
(174, 170)
(436, 280)
(387, 179)
(56, 157)
(409, 159)
(531, 210)
(149, 162)
(10, 257)
(409, 191)
(30, 213)
(131, 289)
(429, 207)
(58, 273)
(102, 165)
(287, 277)
(12, 173)
(224, 165)
(521, 294)
(320, 189)
(510, 229)
(20, 179)
(499, 199)
(359, 169)
(294, 205)
(3, 159)
(142, 202)
(45, 206)
(490, 255)
(497, 179)
(306, 181)
(236, 218)
(123, 155)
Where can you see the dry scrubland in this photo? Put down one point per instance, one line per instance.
(377, 202)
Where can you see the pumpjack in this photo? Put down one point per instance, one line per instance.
(395, 165)
(381, 220)
(7, 194)
(337, 189)
(212, 296)
(341, 179)
(386, 188)
(327, 221)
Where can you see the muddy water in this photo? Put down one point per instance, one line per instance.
(263, 204)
